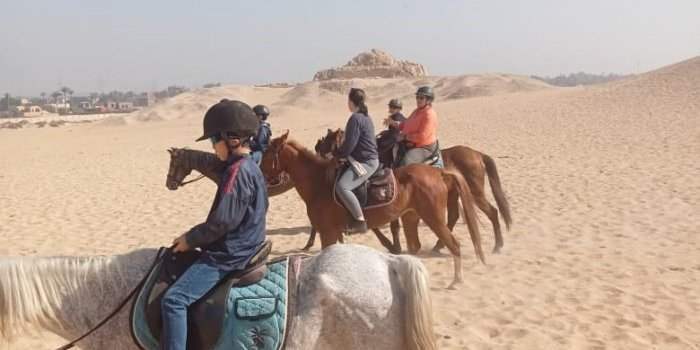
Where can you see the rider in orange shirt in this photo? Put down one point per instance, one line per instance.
(419, 131)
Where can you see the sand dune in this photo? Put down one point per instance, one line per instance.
(602, 180)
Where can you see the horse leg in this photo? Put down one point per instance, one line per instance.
(395, 232)
(410, 228)
(492, 213)
(383, 240)
(329, 237)
(434, 217)
(452, 217)
(312, 239)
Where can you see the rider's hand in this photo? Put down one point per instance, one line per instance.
(180, 244)
(338, 162)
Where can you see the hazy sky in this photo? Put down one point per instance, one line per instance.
(145, 45)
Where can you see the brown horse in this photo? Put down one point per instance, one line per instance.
(422, 192)
(473, 166)
(184, 160)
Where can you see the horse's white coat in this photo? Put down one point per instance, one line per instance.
(350, 297)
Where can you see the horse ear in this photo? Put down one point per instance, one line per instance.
(280, 141)
(338, 136)
(170, 150)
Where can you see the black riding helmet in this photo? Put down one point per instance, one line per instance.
(395, 103)
(426, 91)
(262, 111)
(231, 117)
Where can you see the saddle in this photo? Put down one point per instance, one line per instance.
(207, 315)
(434, 159)
(377, 191)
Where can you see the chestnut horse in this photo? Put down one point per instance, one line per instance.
(184, 160)
(472, 164)
(422, 192)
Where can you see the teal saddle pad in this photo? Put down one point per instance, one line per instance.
(255, 317)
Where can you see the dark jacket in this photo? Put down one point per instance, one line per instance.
(392, 134)
(387, 139)
(235, 226)
(262, 139)
(360, 142)
(397, 117)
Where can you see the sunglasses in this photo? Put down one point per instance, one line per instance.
(217, 138)
(421, 98)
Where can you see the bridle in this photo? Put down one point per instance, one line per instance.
(276, 162)
(191, 181)
(171, 178)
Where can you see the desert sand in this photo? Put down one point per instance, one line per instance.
(603, 183)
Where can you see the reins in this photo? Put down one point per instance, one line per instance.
(171, 177)
(191, 181)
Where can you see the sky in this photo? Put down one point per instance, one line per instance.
(147, 45)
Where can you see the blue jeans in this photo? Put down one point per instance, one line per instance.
(192, 285)
(350, 181)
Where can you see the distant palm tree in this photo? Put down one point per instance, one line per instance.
(66, 92)
(43, 97)
(55, 95)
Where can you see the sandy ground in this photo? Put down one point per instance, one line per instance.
(603, 184)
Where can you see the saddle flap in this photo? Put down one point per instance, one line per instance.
(381, 177)
(255, 308)
(377, 191)
(256, 316)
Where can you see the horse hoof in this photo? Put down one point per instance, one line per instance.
(437, 249)
(454, 284)
(496, 250)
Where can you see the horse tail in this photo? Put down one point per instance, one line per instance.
(470, 216)
(498, 194)
(418, 308)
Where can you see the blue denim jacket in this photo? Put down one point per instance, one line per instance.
(262, 139)
(235, 226)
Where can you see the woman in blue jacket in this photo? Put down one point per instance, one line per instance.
(360, 149)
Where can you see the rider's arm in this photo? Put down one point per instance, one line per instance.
(352, 136)
(235, 196)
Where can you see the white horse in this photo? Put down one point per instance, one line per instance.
(350, 297)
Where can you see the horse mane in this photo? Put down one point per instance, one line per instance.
(307, 154)
(32, 288)
(193, 159)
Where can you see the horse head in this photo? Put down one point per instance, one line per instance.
(178, 169)
(271, 166)
(327, 145)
